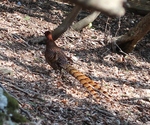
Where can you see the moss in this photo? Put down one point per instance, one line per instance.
(1, 118)
(12, 102)
(12, 108)
(18, 118)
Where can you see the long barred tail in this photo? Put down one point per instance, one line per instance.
(89, 84)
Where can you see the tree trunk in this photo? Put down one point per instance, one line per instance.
(56, 33)
(109, 7)
(128, 41)
(66, 23)
(84, 22)
(141, 7)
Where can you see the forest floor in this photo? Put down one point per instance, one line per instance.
(52, 100)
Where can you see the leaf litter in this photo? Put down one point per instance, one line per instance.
(52, 100)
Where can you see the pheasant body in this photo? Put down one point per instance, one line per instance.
(58, 60)
(54, 55)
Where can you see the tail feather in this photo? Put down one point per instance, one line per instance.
(89, 84)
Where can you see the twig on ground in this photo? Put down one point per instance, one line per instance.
(17, 88)
(119, 23)
(4, 29)
(26, 112)
(9, 93)
(39, 122)
(3, 88)
(23, 42)
(35, 95)
(105, 112)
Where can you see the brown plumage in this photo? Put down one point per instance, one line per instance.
(53, 54)
(58, 60)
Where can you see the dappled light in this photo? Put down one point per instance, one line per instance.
(51, 98)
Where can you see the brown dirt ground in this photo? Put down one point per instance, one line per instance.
(55, 101)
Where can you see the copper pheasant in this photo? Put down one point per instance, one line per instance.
(58, 60)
